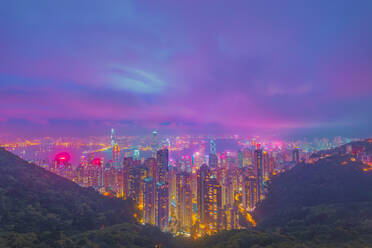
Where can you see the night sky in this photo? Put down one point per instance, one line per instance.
(287, 68)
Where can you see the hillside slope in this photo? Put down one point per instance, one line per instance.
(38, 208)
(325, 204)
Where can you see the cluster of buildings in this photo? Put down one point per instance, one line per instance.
(190, 195)
(184, 184)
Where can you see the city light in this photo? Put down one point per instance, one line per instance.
(187, 187)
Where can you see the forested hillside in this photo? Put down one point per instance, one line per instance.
(324, 204)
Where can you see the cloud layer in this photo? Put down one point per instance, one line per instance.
(283, 67)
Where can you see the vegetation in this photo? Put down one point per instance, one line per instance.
(40, 209)
(325, 204)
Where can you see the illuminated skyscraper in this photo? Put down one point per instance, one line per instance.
(128, 176)
(212, 147)
(116, 156)
(265, 164)
(154, 145)
(113, 137)
(240, 158)
(213, 205)
(136, 154)
(162, 206)
(296, 155)
(162, 190)
(184, 202)
(213, 161)
(150, 164)
(93, 173)
(203, 178)
(250, 193)
(260, 172)
(149, 201)
(62, 166)
(162, 166)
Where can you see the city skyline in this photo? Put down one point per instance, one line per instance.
(286, 69)
(187, 186)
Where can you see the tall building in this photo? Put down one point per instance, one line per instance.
(149, 201)
(260, 172)
(213, 205)
(162, 166)
(62, 166)
(150, 164)
(113, 137)
(296, 155)
(266, 165)
(212, 147)
(128, 177)
(240, 158)
(184, 202)
(136, 154)
(203, 178)
(116, 156)
(213, 161)
(162, 190)
(93, 173)
(154, 145)
(161, 206)
(249, 193)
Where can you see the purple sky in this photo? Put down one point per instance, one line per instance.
(249, 67)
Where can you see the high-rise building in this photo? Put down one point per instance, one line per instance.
(213, 205)
(296, 155)
(240, 158)
(116, 156)
(162, 166)
(212, 147)
(260, 172)
(136, 154)
(113, 138)
(154, 144)
(202, 182)
(150, 164)
(213, 161)
(161, 206)
(128, 177)
(184, 202)
(250, 193)
(149, 201)
(62, 166)
(266, 165)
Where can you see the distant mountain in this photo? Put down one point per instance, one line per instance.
(324, 204)
(40, 209)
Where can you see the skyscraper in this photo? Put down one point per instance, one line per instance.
(213, 161)
(116, 156)
(213, 205)
(162, 190)
(212, 158)
(184, 202)
(162, 206)
(260, 172)
(149, 201)
(154, 144)
(62, 166)
(113, 137)
(296, 155)
(203, 177)
(150, 164)
(212, 147)
(162, 166)
(250, 193)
